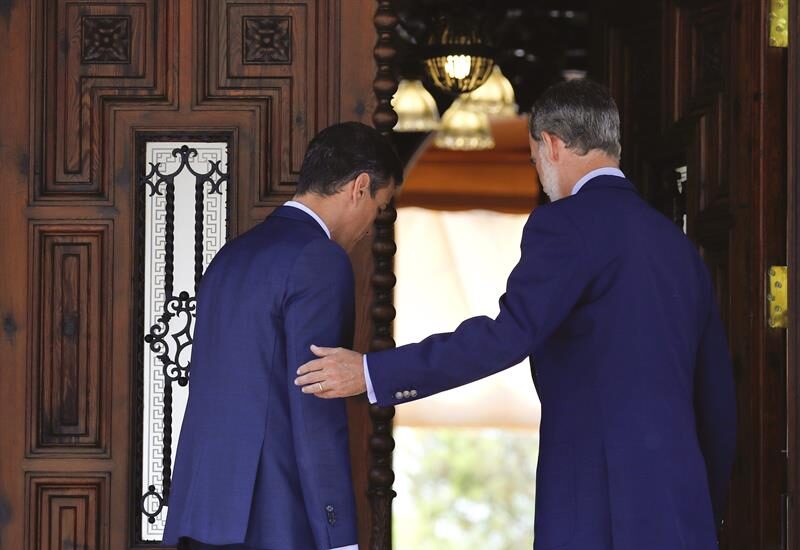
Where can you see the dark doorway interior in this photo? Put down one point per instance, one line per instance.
(703, 98)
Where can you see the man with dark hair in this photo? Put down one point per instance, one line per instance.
(339, 153)
(260, 465)
(616, 310)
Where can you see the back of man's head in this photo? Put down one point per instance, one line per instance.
(341, 152)
(582, 114)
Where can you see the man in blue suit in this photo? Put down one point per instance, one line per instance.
(616, 309)
(260, 465)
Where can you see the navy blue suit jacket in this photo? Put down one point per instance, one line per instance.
(616, 309)
(258, 461)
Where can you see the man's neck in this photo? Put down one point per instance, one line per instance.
(322, 207)
(588, 163)
(327, 208)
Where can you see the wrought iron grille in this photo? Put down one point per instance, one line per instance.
(183, 218)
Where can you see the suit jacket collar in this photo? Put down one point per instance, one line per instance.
(298, 215)
(600, 182)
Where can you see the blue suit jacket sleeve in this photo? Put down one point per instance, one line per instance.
(319, 310)
(715, 407)
(541, 291)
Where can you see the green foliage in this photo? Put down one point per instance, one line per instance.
(464, 489)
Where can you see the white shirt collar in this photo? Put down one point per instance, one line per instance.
(307, 210)
(608, 171)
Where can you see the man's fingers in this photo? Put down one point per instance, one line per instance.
(338, 378)
(323, 352)
(310, 378)
(313, 389)
(325, 393)
(312, 366)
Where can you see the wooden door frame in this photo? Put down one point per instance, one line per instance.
(791, 509)
(381, 442)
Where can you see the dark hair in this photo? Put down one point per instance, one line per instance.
(341, 152)
(580, 112)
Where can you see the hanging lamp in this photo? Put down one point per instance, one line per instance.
(458, 57)
(464, 129)
(415, 107)
(493, 97)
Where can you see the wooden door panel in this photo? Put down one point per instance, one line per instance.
(68, 511)
(281, 56)
(87, 59)
(92, 82)
(68, 388)
(717, 108)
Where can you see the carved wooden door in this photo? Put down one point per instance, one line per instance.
(703, 102)
(136, 137)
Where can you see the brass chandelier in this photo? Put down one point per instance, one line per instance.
(458, 57)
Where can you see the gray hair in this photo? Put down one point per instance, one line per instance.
(581, 113)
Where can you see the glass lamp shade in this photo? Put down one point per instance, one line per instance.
(573, 74)
(494, 97)
(464, 130)
(457, 57)
(415, 107)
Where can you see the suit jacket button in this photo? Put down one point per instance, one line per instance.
(413, 393)
(398, 395)
(331, 514)
(406, 394)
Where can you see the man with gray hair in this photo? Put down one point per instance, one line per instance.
(580, 120)
(616, 310)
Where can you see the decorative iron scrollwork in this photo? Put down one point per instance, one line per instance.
(176, 362)
(169, 338)
(154, 495)
(215, 176)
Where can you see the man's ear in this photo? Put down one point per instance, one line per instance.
(552, 146)
(361, 186)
